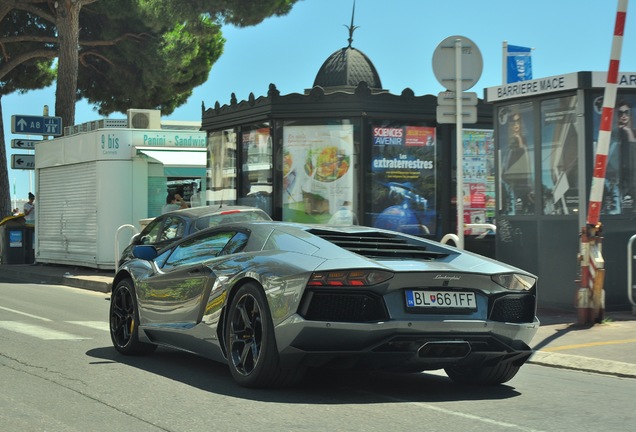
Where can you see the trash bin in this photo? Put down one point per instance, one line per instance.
(29, 256)
(16, 241)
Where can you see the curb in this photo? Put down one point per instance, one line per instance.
(584, 364)
(92, 283)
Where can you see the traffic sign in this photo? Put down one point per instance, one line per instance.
(448, 98)
(37, 125)
(23, 144)
(444, 63)
(23, 161)
(447, 114)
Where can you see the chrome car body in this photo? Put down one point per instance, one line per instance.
(273, 299)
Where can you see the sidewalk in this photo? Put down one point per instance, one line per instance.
(608, 348)
(73, 276)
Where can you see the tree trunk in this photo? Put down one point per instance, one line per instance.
(5, 192)
(68, 60)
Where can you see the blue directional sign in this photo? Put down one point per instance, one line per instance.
(37, 125)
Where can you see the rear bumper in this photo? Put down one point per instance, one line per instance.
(403, 345)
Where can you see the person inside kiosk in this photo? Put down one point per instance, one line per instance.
(174, 201)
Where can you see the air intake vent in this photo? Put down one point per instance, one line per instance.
(144, 119)
(514, 308)
(111, 123)
(377, 244)
(343, 306)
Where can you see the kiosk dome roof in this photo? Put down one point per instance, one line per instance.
(348, 67)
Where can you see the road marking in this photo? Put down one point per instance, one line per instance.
(98, 325)
(475, 417)
(589, 344)
(24, 313)
(39, 332)
(481, 419)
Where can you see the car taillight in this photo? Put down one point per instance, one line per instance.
(349, 278)
(514, 281)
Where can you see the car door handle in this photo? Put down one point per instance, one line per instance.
(194, 272)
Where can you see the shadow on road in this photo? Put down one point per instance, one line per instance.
(559, 334)
(319, 386)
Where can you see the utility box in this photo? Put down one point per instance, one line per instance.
(16, 241)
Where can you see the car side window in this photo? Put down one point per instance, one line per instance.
(236, 244)
(151, 232)
(200, 249)
(161, 259)
(173, 228)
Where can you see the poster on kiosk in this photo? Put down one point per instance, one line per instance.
(317, 177)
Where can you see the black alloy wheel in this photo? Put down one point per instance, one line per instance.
(253, 355)
(124, 321)
(246, 334)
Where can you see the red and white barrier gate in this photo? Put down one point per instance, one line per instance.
(591, 294)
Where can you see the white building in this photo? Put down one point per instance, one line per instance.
(107, 173)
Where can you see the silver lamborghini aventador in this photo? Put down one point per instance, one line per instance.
(272, 299)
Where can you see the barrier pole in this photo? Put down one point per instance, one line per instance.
(583, 293)
(597, 265)
(117, 234)
(600, 161)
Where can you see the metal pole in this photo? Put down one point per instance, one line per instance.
(630, 259)
(15, 197)
(504, 63)
(460, 143)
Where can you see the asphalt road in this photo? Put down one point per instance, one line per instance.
(59, 373)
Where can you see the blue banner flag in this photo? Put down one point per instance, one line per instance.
(519, 64)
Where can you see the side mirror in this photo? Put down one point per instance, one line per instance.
(145, 252)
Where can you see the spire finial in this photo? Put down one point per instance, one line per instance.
(352, 27)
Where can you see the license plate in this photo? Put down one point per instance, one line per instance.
(441, 299)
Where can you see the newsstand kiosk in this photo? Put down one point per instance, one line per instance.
(545, 138)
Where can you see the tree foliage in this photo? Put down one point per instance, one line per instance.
(161, 46)
(157, 67)
(117, 54)
(30, 74)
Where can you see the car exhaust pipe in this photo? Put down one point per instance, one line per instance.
(444, 350)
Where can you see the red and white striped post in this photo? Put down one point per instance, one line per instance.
(609, 100)
(582, 299)
(593, 228)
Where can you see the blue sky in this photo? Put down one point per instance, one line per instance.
(399, 36)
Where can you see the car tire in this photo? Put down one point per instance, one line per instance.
(251, 344)
(483, 375)
(124, 321)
